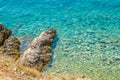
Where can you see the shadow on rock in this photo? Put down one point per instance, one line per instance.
(54, 44)
(37, 55)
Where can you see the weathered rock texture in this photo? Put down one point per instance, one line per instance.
(37, 54)
(11, 46)
(4, 34)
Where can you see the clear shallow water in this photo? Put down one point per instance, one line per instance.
(88, 33)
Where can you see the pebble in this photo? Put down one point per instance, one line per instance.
(15, 69)
(116, 57)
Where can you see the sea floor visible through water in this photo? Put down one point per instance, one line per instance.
(88, 33)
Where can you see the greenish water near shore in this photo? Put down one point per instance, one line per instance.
(88, 33)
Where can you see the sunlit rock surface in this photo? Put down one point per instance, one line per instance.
(37, 54)
(4, 34)
(11, 46)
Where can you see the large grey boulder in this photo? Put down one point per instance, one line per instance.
(37, 54)
(4, 34)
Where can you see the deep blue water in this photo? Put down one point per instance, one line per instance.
(88, 33)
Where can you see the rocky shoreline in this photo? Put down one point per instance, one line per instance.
(32, 60)
(36, 55)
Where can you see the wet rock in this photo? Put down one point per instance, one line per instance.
(11, 46)
(37, 53)
(4, 34)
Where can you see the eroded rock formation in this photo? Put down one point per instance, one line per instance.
(37, 54)
(11, 46)
(4, 34)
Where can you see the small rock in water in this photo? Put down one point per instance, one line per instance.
(116, 57)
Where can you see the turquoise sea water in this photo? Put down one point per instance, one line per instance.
(88, 33)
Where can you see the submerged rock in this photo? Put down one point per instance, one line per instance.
(37, 54)
(4, 34)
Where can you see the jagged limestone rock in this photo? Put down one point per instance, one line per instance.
(11, 47)
(4, 34)
(37, 54)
